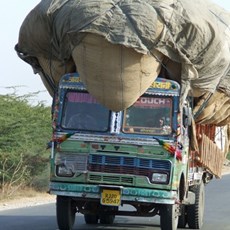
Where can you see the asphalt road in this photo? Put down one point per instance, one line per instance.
(43, 217)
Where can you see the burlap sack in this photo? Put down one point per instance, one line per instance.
(228, 135)
(217, 110)
(54, 69)
(226, 121)
(226, 140)
(115, 75)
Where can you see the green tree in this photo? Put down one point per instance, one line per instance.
(24, 131)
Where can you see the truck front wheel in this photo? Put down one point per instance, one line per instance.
(195, 212)
(65, 211)
(169, 215)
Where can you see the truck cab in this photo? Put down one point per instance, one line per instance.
(102, 159)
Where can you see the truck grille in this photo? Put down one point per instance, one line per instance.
(111, 179)
(127, 165)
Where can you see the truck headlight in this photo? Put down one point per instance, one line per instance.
(161, 178)
(64, 170)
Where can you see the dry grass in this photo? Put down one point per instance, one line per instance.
(25, 198)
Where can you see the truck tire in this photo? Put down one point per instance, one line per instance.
(65, 212)
(169, 216)
(107, 219)
(195, 212)
(91, 219)
(182, 222)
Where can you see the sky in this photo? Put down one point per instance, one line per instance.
(14, 71)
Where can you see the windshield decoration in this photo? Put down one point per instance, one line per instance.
(173, 150)
(149, 115)
(80, 98)
(81, 112)
(58, 140)
(162, 85)
(116, 122)
(63, 138)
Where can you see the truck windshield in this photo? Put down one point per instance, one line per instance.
(82, 112)
(149, 115)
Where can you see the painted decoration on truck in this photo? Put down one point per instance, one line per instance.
(161, 85)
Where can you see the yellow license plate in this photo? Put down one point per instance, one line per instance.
(111, 197)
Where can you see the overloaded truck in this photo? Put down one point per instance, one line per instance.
(141, 156)
(140, 88)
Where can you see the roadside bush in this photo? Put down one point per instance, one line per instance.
(24, 131)
(41, 181)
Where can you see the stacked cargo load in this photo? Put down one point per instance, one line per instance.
(120, 47)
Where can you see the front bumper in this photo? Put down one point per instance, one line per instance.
(128, 194)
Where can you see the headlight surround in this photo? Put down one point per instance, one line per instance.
(67, 164)
(160, 178)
